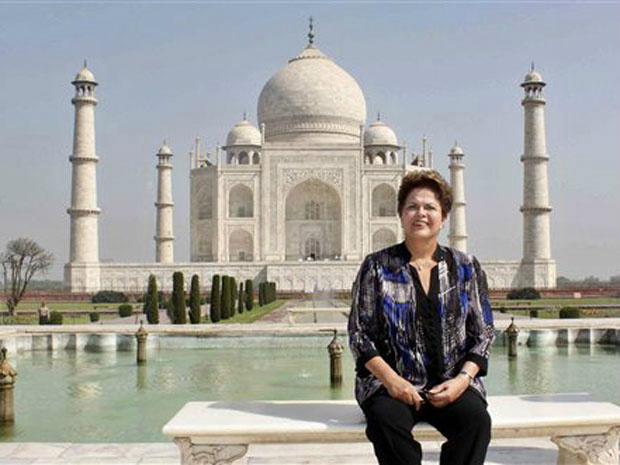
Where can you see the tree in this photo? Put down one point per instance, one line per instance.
(241, 297)
(215, 311)
(225, 298)
(21, 260)
(194, 301)
(178, 299)
(151, 302)
(233, 296)
(249, 294)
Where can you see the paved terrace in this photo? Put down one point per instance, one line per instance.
(502, 452)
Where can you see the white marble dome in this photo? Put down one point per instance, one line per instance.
(311, 95)
(84, 75)
(164, 149)
(456, 149)
(533, 76)
(243, 133)
(379, 133)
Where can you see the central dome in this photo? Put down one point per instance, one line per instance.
(312, 96)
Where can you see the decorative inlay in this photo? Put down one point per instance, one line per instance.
(291, 177)
(590, 449)
(205, 454)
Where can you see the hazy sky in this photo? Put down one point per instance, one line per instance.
(177, 70)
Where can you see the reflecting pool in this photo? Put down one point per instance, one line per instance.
(80, 396)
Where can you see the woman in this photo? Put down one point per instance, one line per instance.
(420, 330)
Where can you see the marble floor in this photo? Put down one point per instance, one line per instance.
(505, 452)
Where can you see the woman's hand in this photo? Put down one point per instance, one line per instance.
(448, 391)
(401, 389)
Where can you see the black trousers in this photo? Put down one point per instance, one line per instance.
(465, 423)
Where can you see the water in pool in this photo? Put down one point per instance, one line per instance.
(70, 396)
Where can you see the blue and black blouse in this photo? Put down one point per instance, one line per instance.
(424, 342)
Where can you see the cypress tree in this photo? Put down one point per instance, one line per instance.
(233, 296)
(225, 297)
(151, 302)
(261, 294)
(194, 301)
(249, 294)
(241, 297)
(215, 311)
(178, 299)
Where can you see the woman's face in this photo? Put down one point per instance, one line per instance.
(421, 216)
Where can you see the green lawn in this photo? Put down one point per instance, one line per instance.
(66, 319)
(558, 302)
(254, 314)
(65, 306)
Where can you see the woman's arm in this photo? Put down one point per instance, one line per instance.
(362, 326)
(479, 325)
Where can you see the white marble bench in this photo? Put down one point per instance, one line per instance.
(585, 431)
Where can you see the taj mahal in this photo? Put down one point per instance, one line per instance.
(303, 196)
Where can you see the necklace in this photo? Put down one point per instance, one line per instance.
(420, 266)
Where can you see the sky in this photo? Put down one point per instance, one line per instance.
(175, 70)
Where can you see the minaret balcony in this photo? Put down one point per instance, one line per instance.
(83, 211)
(536, 209)
(83, 159)
(84, 99)
(164, 204)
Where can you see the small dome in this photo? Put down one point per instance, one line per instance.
(84, 75)
(533, 76)
(456, 150)
(379, 133)
(243, 133)
(164, 149)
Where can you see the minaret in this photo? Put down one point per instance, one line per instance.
(536, 209)
(458, 224)
(84, 213)
(164, 238)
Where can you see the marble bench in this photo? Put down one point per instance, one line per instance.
(586, 431)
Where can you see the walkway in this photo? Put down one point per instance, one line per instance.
(502, 452)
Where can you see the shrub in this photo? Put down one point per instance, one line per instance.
(151, 302)
(261, 294)
(55, 318)
(233, 296)
(215, 309)
(240, 297)
(125, 310)
(526, 293)
(94, 317)
(194, 300)
(249, 294)
(178, 299)
(569, 312)
(225, 297)
(109, 297)
(533, 313)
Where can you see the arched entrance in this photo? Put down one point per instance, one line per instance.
(313, 222)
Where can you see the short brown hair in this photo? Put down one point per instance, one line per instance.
(426, 178)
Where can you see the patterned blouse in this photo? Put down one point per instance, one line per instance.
(382, 320)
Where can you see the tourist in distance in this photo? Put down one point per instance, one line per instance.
(420, 329)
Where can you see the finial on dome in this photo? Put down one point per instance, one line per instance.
(85, 63)
(533, 67)
(378, 116)
(311, 33)
(245, 116)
